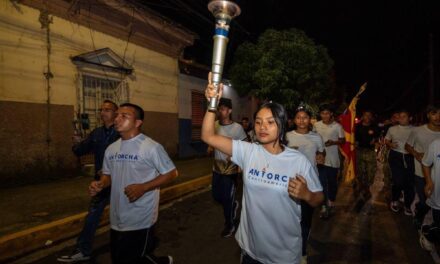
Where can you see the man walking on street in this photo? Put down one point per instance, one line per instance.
(96, 143)
(135, 167)
(333, 136)
(366, 135)
(401, 164)
(417, 145)
(225, 172)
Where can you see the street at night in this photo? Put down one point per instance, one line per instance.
(188, 230)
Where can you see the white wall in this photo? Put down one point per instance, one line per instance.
(23, 61)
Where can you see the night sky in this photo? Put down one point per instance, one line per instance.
(383, 42)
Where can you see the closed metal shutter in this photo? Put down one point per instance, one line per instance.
(198, 107)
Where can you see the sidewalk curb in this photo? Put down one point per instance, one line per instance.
(47, 235)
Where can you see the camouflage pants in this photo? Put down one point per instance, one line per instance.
(365, 170)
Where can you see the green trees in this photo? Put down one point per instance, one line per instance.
(283, 66)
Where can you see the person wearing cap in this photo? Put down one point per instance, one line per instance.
(366, 135)
(224, 171)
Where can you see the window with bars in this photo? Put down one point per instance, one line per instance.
(198, 107)
(95, 90)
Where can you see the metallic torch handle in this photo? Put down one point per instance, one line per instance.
(223, 11)
(218, 59)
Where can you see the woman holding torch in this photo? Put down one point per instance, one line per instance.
(275, 180)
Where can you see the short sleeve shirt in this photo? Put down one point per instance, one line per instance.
(399, 134)
(222, 163)
(270, 229)
(308, 144)
(136, 160)
(432, 159)
(420, 138)
(334, 132)
(365, 134)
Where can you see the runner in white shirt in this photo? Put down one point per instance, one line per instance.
(224, 171)
(401, 163)
(417, 144)
(333, 135)
(311, 145)
(135, 167)
(431, 171)
(275, 179)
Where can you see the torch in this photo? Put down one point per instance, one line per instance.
(224, 12)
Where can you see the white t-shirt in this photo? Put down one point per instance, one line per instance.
(399, 134)
(333, 131)
(222, 163)
(308, 144)
(136, 160)
(270, 229)
(432, 158)
(420, 138)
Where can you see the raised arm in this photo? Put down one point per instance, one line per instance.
(218, 142)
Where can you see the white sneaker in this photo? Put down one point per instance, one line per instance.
(394, 206)
(425, 244)
(76, 256)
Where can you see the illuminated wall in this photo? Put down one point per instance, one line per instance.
(37, 135)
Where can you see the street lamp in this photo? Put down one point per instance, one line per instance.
(224, 12)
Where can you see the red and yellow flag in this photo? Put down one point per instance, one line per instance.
(347, 120)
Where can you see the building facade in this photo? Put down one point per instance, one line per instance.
(59, 59)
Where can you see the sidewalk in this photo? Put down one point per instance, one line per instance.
(30, 206)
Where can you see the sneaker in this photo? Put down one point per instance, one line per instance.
(394, 206)
(401, 199)
(228, 231)
(425, 243)
(324, 213)
(407, 211)
(76, 256)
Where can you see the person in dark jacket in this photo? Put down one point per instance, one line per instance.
(96, 143)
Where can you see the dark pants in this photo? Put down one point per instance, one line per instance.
(246, 259)
(96, 207)
(132, 246)
(306, 224)
(421, 207)
(402, 171)
(223, 191)
(436, 217)
(328, 176)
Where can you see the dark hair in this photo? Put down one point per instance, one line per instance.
(302, 109)
(225, 102)
(404, 111)
(139, 112)
(245, 119)
(115, 106)
(280, 116)
(432, 108)
(327, 107)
